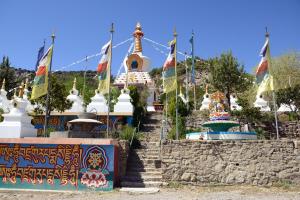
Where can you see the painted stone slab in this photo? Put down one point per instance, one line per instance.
(56, 166)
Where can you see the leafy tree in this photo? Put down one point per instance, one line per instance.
(228, 76)
(8, 73)
(58, 97)
(290, 97)
(139, 101)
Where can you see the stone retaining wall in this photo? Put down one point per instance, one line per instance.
(231, 162)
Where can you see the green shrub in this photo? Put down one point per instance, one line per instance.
(126, 134)
(1, 117)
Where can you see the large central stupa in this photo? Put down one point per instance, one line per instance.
(137, 66)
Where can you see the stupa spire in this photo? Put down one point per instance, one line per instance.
(21, 91)
(138, 34)
(74, 84)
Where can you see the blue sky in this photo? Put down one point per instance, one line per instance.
(82, 27)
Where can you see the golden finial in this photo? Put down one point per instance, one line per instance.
(26, 84)
(267, 33)
(206, 89)
(74, 84)
(175, 33)
(3, 84)
(21, 91)
(180, 90)
(138, 34)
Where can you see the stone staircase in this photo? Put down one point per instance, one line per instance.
(144, 163)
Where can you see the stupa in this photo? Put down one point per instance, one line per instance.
(261, 103)
(74, 97)
(124, 102)
(137, 66)
(17, 124)
(4, 102)
(233, 103)
(29, 107)
(98, 103)
(206, 100)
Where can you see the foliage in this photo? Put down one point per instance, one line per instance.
(290, 97)
(8, 73)
(286, 70)
(58, 100)
(183, 111)
(1, 112)
(248, 115)
(228, 75)
(129, 133)
(139, 101)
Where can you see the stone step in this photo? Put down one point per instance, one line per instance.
(147, 173)
(143, 161)
(146, 151)
(141, 184)
(142, 178)
(134, 169)
(144, 165)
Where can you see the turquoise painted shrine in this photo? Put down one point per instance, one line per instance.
(57, 166)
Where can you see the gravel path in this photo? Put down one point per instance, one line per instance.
(194, 193)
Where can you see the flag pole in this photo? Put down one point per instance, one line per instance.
(175, 55)
(48, 89)
(108, 99)
(186, 81)
(273, 92)
(193, 70)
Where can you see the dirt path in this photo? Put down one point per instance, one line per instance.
(194, 193)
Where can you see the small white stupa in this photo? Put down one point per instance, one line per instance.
(124, 102)
(233, 103)
(98, 103)
(206, 100)
(261, 103)
(286, 108)
(74, 97)
(4, 102)
(17, 124)
(29, 107)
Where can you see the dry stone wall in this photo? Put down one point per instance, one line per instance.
(231, 162)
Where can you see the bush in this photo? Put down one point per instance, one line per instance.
(1, 117)
(126, 134)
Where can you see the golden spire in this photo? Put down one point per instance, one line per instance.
(206, 89)
(26, 84)
(138, 34)
(21, 91)
(3, 85)
(74, 84)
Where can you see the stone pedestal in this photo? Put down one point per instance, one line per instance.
(206, 101)
(17, 124)
(262, 104)
(233, 103)
(124, 102)
(98, 103)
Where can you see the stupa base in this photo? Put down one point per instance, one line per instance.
(218, 135)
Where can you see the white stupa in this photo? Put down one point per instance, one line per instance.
(17, 124)
(4, 102)
(233, 103)
(286, 108)
(29, 107)
(261, 103)
(74, 97)
(137, 66)
(98, 103)
(124, 102)
(206, 100)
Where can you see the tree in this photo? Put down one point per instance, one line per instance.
(58, 100)
(228, 76)
(8, 73)
(290, 97)
(139, 102)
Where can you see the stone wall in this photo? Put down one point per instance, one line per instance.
(290, 129)
(231, 162)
